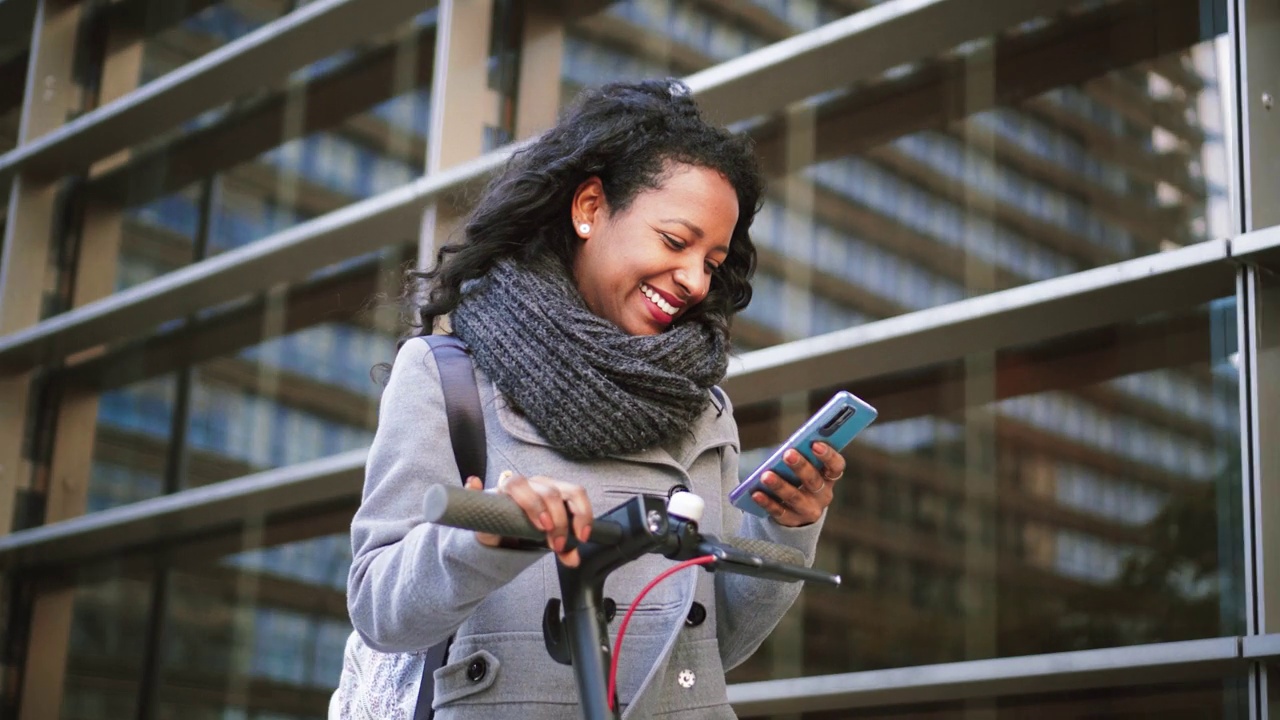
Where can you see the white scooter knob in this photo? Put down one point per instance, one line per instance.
(687, 506)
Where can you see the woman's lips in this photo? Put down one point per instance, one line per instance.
(663, 306)
(657, 312)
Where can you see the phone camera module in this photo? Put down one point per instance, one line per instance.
(832, 425)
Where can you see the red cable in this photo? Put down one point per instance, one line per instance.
(622, 629)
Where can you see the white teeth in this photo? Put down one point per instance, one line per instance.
(663, 305)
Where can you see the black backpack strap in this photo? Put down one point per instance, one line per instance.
(466, 434)
(434, 658)
(461, 404)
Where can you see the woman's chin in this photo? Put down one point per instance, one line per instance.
(638, 320)
(641, 326)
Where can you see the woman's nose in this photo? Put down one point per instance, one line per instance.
(693, 282)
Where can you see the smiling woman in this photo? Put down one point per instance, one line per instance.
(593, 288)
(642, 268)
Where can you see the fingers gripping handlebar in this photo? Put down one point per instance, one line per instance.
(500, 515)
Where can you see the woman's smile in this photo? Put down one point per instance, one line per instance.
(663, 306)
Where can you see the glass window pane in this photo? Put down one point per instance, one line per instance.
(1266, 327)
(15, 41)
(1273, 689)
(106, 651)
(245, 388)
(270, 617)
(250, 625)
(132, 444)
(294, 398)
(351, 126)
(1073, 494)
(9, 116)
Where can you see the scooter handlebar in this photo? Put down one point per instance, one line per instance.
(479, 511)
(497, 514)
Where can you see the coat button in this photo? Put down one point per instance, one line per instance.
(477, 670)
(697, 614)
(686, 678)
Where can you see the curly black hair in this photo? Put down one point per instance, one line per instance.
(628, 135)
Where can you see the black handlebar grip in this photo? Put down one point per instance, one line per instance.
(480, 511)
(771, 552)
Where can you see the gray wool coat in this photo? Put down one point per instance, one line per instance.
(413, 583)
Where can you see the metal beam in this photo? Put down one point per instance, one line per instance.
(862, 45)
(1261, 247)
(1003, 677)
(264, 57)
(291, 255)
(1261, 647)
(338, 298)
(191, 513)
(1021, 315)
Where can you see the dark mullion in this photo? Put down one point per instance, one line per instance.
(149, 682)
(209, 189)
(175, 464)
(175, 471)
(504, 70)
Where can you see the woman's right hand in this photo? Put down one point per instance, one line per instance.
(544, 501)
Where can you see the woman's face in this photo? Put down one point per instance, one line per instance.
(646, 266)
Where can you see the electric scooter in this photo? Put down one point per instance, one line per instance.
(645, 524)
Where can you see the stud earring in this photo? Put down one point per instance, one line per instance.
(585, 228)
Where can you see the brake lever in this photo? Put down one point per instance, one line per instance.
(729, 554)
(735, 560)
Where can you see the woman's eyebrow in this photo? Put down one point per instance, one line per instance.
(692, 228)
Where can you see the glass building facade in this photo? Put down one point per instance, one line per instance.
(1041, 236)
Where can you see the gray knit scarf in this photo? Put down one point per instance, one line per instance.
(591, 389)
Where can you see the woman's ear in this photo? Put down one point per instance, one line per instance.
(588, 207)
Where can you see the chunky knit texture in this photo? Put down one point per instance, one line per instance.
(591, 389)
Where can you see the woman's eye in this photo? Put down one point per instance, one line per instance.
(711, 268)
(674, 243)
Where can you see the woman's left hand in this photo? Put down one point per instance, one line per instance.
(802, 505)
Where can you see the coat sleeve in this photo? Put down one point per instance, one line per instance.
(412, 583)
(748, 609)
